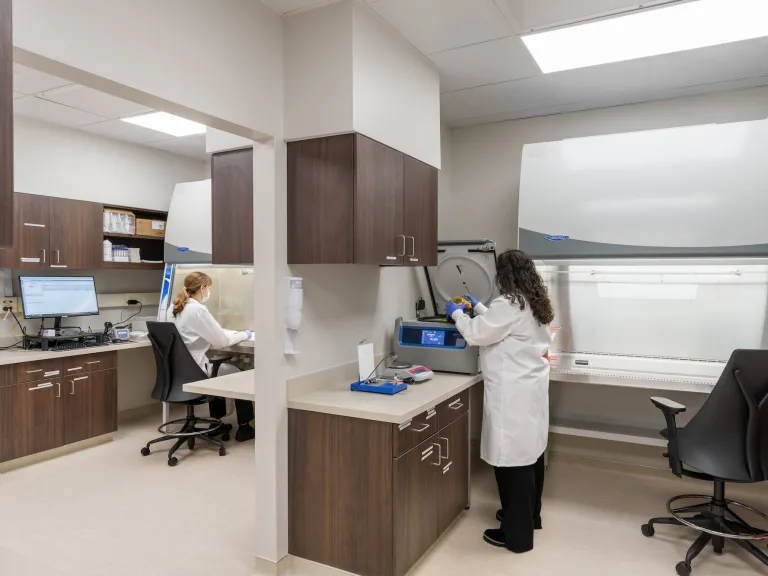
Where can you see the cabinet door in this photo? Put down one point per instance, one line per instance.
(420, 217)
(31, 237)
(30, 419)
(6, 125)
(71, 226)
(378, 225)
(76, 393)
(232, 207)
(103, 397)
(415, 504)
(453, 474)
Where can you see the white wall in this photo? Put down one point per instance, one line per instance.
(318, 72)
(220, 58)
(486, 158)
(396, 89)
(348, 70)
(52, 160)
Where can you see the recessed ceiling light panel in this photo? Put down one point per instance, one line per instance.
(674, 28)
(167, 124)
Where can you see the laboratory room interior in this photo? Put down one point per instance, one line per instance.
(383, 287)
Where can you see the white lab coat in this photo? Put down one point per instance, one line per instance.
(516, 411)
(200, 331)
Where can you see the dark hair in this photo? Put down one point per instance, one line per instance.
(518, 280)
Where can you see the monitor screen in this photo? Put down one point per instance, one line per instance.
(433, 337)
(57, 296)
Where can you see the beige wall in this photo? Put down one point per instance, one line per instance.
(485, 159)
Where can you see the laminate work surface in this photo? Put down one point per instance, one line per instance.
(21, 356)
(396, 409)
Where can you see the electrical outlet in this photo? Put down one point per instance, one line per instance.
(10, 302)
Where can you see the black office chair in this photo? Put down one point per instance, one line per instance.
(727, 441)
(176, 367)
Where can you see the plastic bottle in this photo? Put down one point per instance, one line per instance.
(107, 251)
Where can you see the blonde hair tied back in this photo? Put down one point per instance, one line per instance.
(193, 283)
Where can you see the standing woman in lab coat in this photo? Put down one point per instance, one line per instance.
(200, 330)
(513, 338)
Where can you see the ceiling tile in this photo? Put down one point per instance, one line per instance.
(192, 146)
(487, 63)
(30, 81)
(18, 95)
(124, 131)
(536, 14)
(90, 100)
(435, 25)
(34, 107)
(286, 6)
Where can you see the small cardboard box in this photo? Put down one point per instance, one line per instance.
(146, 227)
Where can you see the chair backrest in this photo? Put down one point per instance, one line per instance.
(730, 431)
(175, 365)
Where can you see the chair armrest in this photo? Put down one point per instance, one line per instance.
(671, 409)
(216, 363)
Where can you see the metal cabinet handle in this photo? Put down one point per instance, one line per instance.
(413, 247)
(404, 243)
(43, 251)
(420, 429)
(73, 388)
(34, 371)
(42, 386)
(427, 453)
(439, 454)
(456, 404)
(447, 448)
(58, 257)
(73, 369)
(58, 390)
(94, 362)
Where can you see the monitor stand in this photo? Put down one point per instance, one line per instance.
(57, 325)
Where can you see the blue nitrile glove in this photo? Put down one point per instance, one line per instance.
(451, 307)
(471, 299)
(249, 334)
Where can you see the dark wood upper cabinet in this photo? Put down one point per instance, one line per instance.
(420, 217)
(31, 244)
(321, 199)
(70, 220)
(354, 200)
(232, 206)
(6, 125)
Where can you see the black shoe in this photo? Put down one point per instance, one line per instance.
(224, 427)
(536, 521)
(245, 433)
(495, 537)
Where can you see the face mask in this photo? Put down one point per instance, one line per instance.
(206, 296)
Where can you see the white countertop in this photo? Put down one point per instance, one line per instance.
(396, 409)
(18, 356)
(240, 386)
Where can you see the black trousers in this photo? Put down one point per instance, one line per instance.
(244, 408)
(520, 490)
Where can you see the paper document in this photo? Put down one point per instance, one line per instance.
(366, 361)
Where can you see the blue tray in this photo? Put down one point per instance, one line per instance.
(383, 388)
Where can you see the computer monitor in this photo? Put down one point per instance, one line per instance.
(55, 297)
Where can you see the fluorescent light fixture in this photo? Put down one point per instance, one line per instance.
(630, 291)
(651, 32)
(167, 124)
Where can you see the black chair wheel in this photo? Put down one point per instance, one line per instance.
(172, 461)
(648, 530)
(191, 443)
(145, 451)
(222, 451)
(684, 569)
(225, 437)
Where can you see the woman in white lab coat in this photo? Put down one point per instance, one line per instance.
(513, 338)
(200, 330)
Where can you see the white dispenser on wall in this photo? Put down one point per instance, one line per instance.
(293, 305)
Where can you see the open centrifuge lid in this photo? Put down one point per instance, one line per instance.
(463, 266)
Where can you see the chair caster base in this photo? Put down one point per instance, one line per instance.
(222, 451)
(172, 461)
(684, 569)
(145, 451)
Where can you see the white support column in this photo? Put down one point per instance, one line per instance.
(271, 422)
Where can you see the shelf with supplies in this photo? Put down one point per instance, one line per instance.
(131, 235)
(136, 236)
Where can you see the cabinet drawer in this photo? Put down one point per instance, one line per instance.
(98, 362)
(413, 432)
(33, 371)
(453, 408)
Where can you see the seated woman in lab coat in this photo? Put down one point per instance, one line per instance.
(200, 330)
(513, 338)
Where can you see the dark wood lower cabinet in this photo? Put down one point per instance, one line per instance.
(357, 503)
(30, 419)
(40, 416)
(416, 503)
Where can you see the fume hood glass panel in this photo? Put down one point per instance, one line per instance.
(231, 301)
(687, 312)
